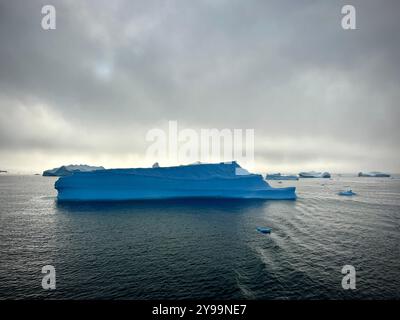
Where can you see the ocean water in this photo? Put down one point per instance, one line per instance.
(202, 249)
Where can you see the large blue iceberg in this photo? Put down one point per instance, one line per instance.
(222, 180)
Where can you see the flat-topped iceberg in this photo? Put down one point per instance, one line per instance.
(191, 181)
(68, 170)
(374, 174)
(278, 176)
(313, 174)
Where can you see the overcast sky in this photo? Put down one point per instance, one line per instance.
(318, 96)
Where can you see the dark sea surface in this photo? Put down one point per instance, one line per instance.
(205, 248)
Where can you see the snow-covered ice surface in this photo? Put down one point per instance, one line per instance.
(70, 169)
(192, 181)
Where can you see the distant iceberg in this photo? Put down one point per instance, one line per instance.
(191, 181)
(313, 174)
(278, 176)
(68, 170)
(375, 174)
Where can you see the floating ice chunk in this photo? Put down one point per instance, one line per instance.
(264, 229)
(347, 193)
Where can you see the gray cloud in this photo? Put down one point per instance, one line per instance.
(91, 89)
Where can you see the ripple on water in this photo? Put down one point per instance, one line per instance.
(202, 249)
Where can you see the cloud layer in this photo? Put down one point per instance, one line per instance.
(318, 97)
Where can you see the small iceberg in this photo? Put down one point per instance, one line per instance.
(347, 193)
(313, 174)
(264, 229)
(374, 174)
(220, 180)
(278, 176)
(68, 170)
